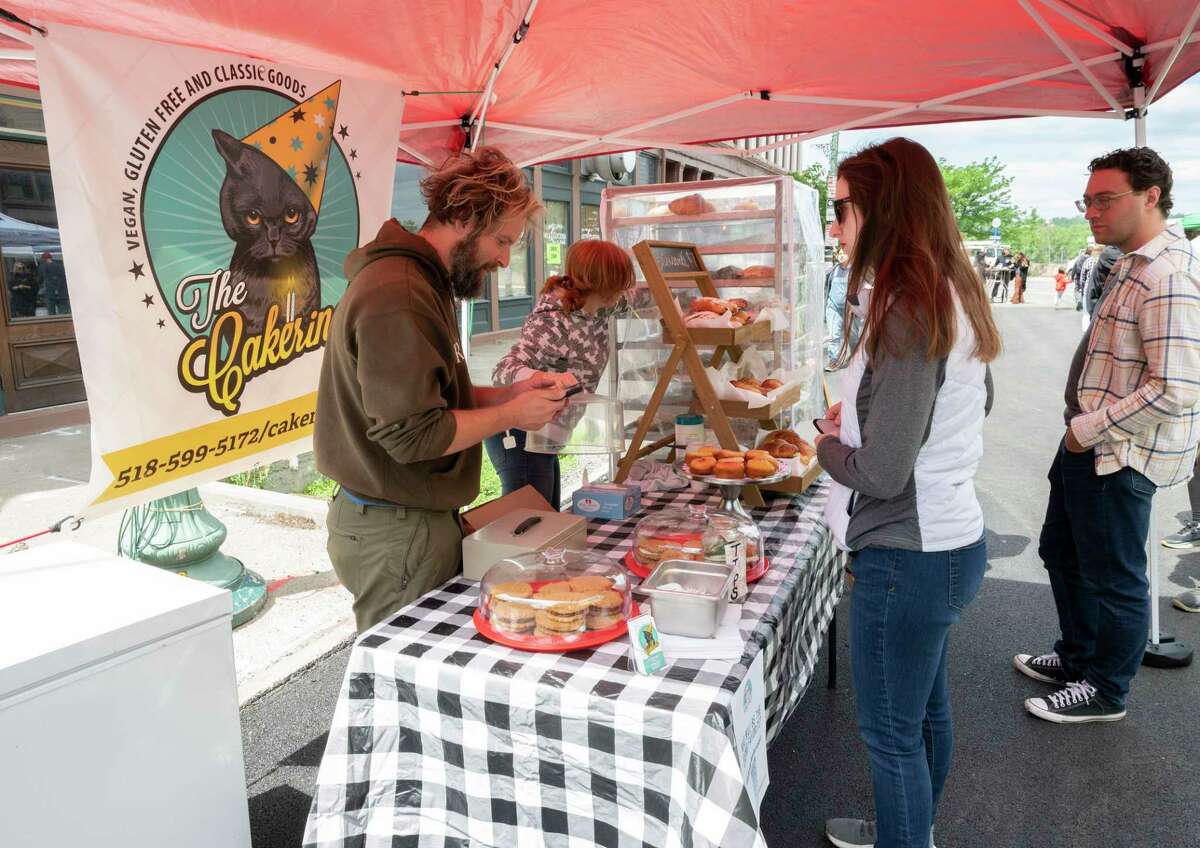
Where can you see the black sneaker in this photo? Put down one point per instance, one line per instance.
(1187, 537)
(1079, 703)
(1047, 668)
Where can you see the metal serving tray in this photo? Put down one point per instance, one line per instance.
(697, 607)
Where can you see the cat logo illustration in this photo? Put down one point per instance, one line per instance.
(246, 234)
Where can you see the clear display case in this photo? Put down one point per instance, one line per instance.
(761, 239)
(554, 599)
(588, 425)
(673, 533)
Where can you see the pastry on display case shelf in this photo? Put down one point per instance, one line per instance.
(758, 271)
(748, 204)
(709, 304)
(691, 204)
(728, 272)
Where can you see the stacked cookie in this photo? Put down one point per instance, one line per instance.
(556, 609)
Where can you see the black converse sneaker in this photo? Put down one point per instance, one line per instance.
(1047, 668)
(1077, 704)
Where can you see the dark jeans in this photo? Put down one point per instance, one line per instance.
(517, 468)
(1094, 546)
(901, 609)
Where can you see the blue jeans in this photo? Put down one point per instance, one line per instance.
(517, 468)
(1093, 543)
(901, 609)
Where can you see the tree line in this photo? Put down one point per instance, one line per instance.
(981, 191)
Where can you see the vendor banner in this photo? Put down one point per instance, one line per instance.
(206, 203)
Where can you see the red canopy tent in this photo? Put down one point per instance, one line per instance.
(555, 79)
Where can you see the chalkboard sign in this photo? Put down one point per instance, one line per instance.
(675, 259)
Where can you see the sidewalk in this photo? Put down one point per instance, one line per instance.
(279, 536)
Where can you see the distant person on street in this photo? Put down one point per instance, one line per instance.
(53, 280)
(1003, 271)
(1132, 426)
(909, 439)
(981, 268)
(1060, 286)
(1020, 268)
(1098, 278)
(835, 310)
(22, 290)
(1073, 275)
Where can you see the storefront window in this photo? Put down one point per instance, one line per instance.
(35, 280)
(556, 227)
(408, 206)
(589, 223)
(513, 281)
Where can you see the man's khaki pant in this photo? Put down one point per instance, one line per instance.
(388, 556)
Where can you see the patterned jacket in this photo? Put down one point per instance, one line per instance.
(553, 341)
(1141, 377)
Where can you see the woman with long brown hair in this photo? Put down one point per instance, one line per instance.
(567, 332)
(915, 392)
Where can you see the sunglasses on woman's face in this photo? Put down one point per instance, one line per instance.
(839, 209)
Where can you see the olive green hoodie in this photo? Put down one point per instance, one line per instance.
(393, 370)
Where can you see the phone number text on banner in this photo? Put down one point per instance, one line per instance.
(186, 453)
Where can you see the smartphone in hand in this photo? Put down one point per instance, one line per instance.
(825, 426)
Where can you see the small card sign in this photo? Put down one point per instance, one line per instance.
(675, 259)
(648, 656)
(735, 558)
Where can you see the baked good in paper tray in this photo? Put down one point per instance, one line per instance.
(787, 447)
(718, 313)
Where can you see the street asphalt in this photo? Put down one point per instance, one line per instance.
(1017, 782)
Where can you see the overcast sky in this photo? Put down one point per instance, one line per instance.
(1047, 157)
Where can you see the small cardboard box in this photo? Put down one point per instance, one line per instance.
(609, 501)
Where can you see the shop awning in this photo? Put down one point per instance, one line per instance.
(594, 76)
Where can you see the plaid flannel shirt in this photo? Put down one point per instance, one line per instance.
(1141, 378)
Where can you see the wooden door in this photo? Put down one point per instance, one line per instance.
(39, 361)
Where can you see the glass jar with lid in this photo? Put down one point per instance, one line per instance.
(725, 528)
(554, 600)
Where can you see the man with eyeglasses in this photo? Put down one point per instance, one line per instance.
(1132, 427)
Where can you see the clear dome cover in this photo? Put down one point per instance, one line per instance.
(673, 533)
(725, 528)
(555, 596)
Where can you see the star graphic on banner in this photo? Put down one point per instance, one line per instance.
(310, 173)
(353, 153)
(291, 171)
(358, 175)
(329, 103)
(320, 136)
(297, 116)
(319, 120)
(297, 144)
(137, 271)
(343, 132)
(161, 323)
(148, 300)
(258, 145)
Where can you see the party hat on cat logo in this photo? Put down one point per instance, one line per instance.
(299, 141)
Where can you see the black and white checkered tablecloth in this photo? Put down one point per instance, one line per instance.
(441, 738)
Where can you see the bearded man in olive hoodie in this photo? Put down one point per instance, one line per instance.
(399, 424)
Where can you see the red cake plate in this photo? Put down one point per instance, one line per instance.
(636, 568)
(551, 644)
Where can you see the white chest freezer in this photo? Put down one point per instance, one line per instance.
(118, 706)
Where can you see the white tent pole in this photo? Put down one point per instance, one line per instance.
(1168, 42)
(1066, 50)
(522, 128)
(479, 113)
(1184, 37)
(1139, 116)
(14, 32)
(1085, 24)
(420, 157)
(1152, 544)
(979, 110)
(17, 55)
